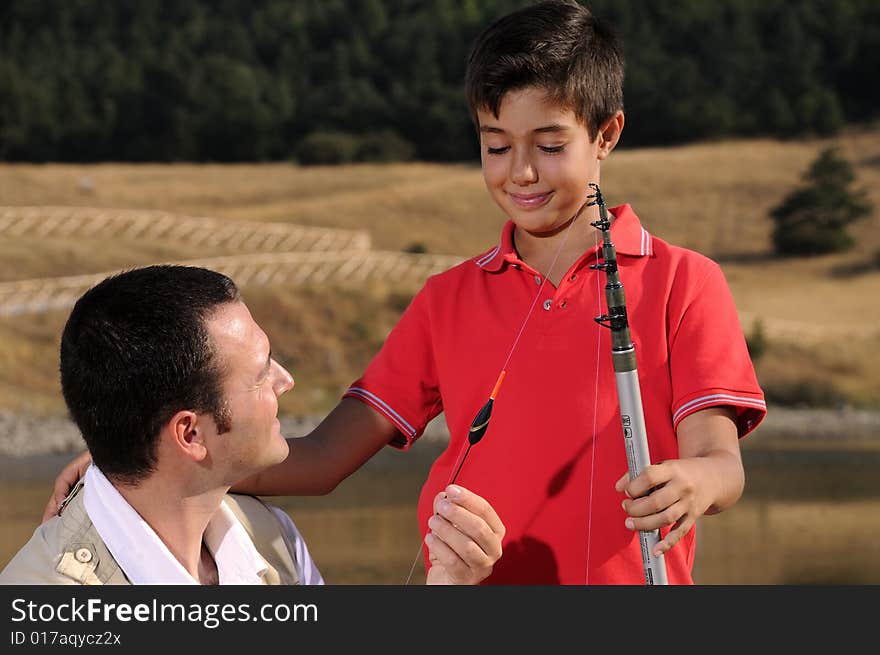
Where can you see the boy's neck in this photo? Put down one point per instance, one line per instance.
(540, 251)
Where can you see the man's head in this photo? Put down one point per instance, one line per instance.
(164, 350)
(557, 46)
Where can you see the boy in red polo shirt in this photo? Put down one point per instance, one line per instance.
(544, 85)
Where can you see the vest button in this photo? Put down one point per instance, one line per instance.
(548, 304)
(83, 555)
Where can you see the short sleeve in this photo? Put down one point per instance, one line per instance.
(709, 360)
(401, 381)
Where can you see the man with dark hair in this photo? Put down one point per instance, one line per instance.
(175, 391)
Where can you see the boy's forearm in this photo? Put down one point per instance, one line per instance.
(726, 471)
(316, 463)
(710, 437)
(293, 476)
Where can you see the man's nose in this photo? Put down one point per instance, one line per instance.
(283, 379)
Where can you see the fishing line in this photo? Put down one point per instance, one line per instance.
(481, 421)
(595, 411)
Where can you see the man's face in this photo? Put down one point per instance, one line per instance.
(252, 384)
(537, 160)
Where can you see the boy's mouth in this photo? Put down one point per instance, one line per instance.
(530, 200)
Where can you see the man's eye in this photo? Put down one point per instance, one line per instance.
(552, 149)
(497, 151)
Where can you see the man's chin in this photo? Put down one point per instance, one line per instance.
(280, 450)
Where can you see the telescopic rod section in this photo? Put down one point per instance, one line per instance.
(629, 395)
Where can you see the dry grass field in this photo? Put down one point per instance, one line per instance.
(821, 315)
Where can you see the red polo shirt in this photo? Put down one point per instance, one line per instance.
(554, 447)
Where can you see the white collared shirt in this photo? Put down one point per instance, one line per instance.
(145, 559)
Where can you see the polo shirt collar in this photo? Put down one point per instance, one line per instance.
(627, 233)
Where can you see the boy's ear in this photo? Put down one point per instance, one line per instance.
(609, 134)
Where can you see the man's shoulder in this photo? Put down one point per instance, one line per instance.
(272, 538)
(66, 549)
(255, 515)
(36, 562)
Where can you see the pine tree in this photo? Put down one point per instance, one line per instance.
(813, 219)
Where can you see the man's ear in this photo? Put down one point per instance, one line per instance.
(187, 434)
(609, 134)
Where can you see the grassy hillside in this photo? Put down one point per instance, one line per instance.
(821, 316)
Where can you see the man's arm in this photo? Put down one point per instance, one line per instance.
(351, 434)
(707, 478)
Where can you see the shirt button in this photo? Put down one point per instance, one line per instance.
(548, 304)
(83, 555)
(537, 279)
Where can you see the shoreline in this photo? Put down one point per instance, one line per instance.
(32, 437)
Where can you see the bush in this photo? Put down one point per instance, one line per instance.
(416, 248)
(757, 341)
(385, 146)
(334, 147)
(805, 393)
(812, 220)
(327, 147)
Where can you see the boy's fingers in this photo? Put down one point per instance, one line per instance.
(50, 510)
(472, 527)
(650, 477)
(679, 530)
(659, 520)
(65, 481)
(462, 566)
(464, 546)
(653, 503)
(476, 505)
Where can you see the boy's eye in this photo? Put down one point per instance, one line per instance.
(552, 149)
(497, 151)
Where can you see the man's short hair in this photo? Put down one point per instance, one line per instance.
(558, 46)
(136, 350)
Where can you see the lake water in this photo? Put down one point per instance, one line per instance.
(807, 517)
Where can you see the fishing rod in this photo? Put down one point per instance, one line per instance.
(623, 355)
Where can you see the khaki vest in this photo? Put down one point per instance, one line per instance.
(68, 550)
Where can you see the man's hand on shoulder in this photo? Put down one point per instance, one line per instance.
(65, 481)
(465, 538)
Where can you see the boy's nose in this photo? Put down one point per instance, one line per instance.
(522, 172)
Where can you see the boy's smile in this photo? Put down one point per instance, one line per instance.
(538, 158)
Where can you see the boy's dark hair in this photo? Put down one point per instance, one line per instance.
(556, 45)
(134, 351)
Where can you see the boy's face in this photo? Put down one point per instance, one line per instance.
(538, 159)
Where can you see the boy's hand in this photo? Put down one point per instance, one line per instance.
(707, 478)
(465, 538)
(65, 481)
(681, 491)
